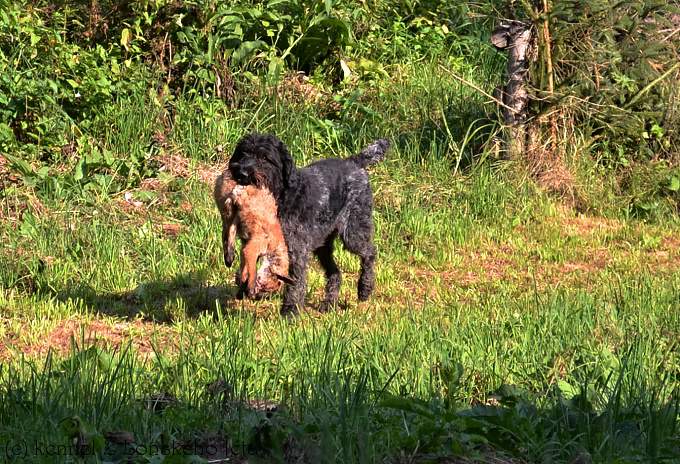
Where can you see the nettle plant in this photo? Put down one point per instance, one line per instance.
(200, 44)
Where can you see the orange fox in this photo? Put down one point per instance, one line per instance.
(251, 213)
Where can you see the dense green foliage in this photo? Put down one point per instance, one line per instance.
(67, 67)
(608, 71)
(615, 63)
(72, 70)
(62, 64)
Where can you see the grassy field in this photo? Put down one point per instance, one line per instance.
(506, 327)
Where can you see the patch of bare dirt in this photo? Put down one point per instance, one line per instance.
(186, 206)
(207, 173)
(297, 90)
(178, 166)
(485, 267)
(171, 230)
(477, 268)
(488, 266)
(61, 338)
(5, 349)
(558, 179)
(296, 87)
(174, 164)
(152, 184)
(599, 260)
(666, 257)
(671, 242)
(586, 225)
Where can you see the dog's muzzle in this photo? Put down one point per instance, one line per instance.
(243, 172)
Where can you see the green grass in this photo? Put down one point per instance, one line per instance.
(505, 327)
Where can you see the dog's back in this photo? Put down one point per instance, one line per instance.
(330, 189)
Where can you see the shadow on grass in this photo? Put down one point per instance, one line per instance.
(186, 294)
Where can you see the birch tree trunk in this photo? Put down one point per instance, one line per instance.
(515, 37)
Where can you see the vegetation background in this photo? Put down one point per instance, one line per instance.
(527, 309)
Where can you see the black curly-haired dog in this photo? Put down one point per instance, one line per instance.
(327, 199)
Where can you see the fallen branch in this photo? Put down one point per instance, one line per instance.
(649, 86)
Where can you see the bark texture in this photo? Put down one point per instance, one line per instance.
(515, 37)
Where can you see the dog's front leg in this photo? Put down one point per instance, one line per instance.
(294, 296)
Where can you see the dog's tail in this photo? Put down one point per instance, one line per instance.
(372, 154)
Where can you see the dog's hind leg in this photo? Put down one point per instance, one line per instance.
(358, 239)
(367, 277)
(333, 275)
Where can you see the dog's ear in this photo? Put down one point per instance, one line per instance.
(284, 279)
(287, 164)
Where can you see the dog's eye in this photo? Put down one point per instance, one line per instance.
(273, 161)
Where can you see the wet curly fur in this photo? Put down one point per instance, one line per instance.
(327, 199)
(251, 213)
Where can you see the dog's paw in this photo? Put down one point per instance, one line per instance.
(365, 292)
(289, 311)
(327, 306)
(253, 292)
(241, 292)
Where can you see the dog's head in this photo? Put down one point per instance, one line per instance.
(262, 160)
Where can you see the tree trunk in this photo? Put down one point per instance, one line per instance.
(516, 38)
